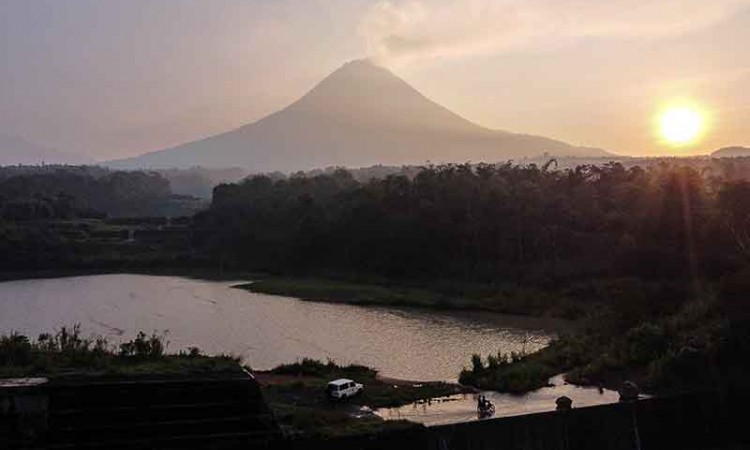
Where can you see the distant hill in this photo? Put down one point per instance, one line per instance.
(17, 150)
(731, 152)
(360, 115)
(199, 181)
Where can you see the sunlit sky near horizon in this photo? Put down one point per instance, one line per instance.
(115, 78)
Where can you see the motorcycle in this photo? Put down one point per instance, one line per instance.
(485, 411)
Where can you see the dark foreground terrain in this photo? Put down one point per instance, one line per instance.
(139, 397)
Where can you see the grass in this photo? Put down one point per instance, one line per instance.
(296, 393)
(298, 400)
(508, 299)
(67, 353)
(438, 294)
(300, 421)
(313, 368)
(311, 377)
(514, 373)
(316, 289)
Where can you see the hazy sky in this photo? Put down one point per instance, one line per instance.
(113, 78)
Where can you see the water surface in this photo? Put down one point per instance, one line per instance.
(463, 408)
(266, 330)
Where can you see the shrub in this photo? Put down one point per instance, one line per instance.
(15, 349)
(476, 363)
(514, 372)
(193, 352)
(144, 346)
(315, 368)
(645, 343)
(68, 351)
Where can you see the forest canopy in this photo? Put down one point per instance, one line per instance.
(525, 224)
(70, 192)
(654, 261)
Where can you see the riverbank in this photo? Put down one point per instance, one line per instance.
(358, 294)
(528, 301)
(67, 353)
(695, 347)
(438, 295)
(296, 394)
(266, 330)
(658, 334)
(197, 273)
(665, 336)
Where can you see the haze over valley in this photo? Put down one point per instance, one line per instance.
(17, 150)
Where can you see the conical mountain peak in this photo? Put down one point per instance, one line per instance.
(363, 64)
(361, 91)
(360, 68)
(359, 115)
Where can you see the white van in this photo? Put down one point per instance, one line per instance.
(343, 388)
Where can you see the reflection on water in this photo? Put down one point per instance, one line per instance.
(266, 330)
(463, 408)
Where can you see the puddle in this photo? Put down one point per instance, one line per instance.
(463, 407)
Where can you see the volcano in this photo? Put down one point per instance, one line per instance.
(360, 115)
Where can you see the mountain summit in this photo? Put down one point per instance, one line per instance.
(359, 115)
(361, 92)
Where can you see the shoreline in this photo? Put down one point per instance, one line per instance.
(313, 289)
(296, 392)
(268, 376)
(187, 272)
(324, 290)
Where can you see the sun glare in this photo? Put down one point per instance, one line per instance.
(681, 125)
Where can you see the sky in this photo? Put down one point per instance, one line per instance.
(116, 78)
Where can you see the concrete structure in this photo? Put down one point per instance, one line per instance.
(694, 421)
(214, 411)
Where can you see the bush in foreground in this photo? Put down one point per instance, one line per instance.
(68, 352)
(315, 368)
(514, 373)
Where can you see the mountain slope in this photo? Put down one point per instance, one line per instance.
(16, 150)
(731, 152)
(359, 115)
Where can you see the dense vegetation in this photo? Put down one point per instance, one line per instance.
(54, 217)
(702, 345)
(486, 223)
(69, 192)
(68, 353)
(656, 257)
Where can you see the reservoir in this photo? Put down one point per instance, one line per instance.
(265, 330)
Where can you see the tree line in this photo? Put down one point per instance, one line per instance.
(654, 260)
(71, 192)
(525, 224)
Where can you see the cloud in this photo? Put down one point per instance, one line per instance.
(407, 29)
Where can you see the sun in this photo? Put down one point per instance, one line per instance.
(681, 125)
